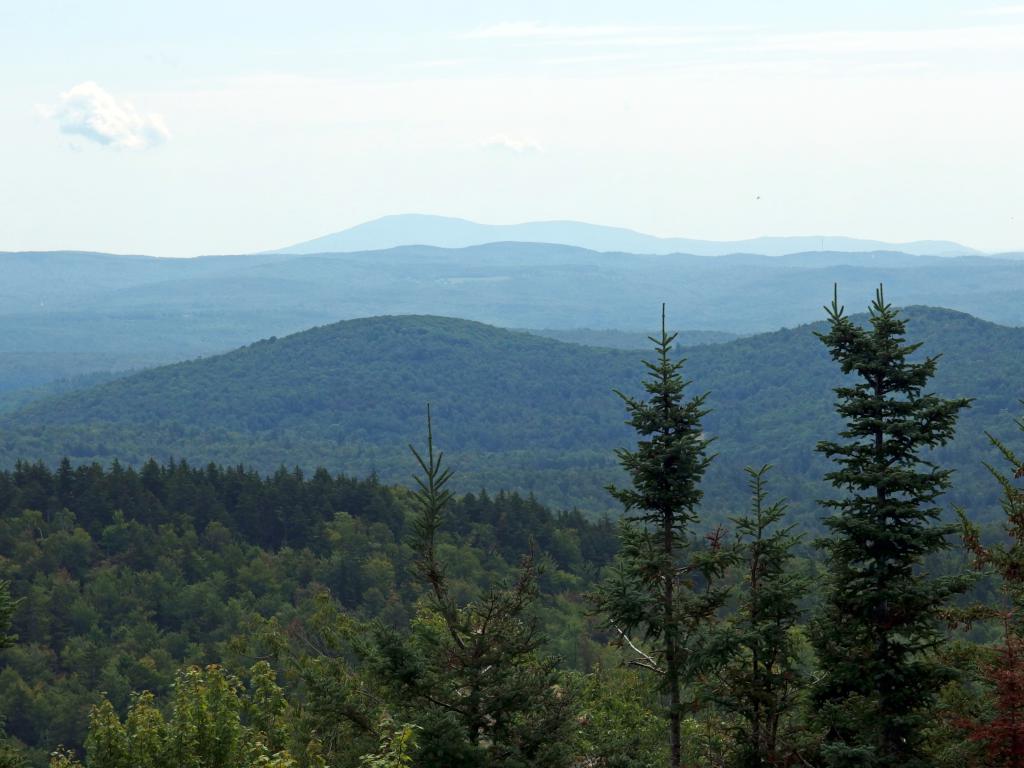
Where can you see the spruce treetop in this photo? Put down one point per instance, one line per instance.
(671, 455)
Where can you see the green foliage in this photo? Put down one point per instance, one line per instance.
(11, 755)
(516, 411)
(397, 620)
(1000, 729)
(397, 745)
(664, 584)
(766, 681)
(125, 575)
(880, 622)
(1004, 559)
(8, 605)
(474, 676)
(206, 727)
(617, 724)
(342, 706)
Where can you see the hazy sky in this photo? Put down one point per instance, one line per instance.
(187, 127)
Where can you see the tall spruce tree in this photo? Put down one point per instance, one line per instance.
(666, 582)
(881, 617)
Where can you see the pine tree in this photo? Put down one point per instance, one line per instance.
(880, 621)
(765, 680)
(665, 584)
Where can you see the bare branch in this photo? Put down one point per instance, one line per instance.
(648, 662)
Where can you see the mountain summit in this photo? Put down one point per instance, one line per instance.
(445, 232)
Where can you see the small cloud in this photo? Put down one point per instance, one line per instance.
(91, 112)
(500, 141)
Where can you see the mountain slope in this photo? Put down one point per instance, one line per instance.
(446, 232)
(512, 410)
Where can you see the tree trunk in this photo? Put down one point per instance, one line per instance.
(671, 646)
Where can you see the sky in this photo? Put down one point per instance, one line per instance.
(186, 128)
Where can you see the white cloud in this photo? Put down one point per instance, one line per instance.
(89, 111)
(502, 142)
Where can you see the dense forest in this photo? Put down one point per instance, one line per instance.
(171, 614)
(514, 411)
(124, 576)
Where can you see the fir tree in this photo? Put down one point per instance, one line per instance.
(880, 621)
(765, 681)
(665, 583)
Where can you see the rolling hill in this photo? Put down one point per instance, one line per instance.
(513, 410)
(66, 314)
(447, 232)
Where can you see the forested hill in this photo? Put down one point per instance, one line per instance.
(67, 314)
(512, 410)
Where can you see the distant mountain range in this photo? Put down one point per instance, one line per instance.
(512, 410)
(64, 314)
(446, 232)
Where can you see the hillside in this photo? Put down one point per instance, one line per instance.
(592, 337)
(67, 314)
(513, 410)
(447, 232)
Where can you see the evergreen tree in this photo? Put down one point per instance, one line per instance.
(880, 621)
(765, 680)
(665, 583)
(1002, 733)
(473, 676)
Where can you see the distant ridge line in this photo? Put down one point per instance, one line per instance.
(448, 232)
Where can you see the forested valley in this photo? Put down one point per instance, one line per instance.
(184, 613)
